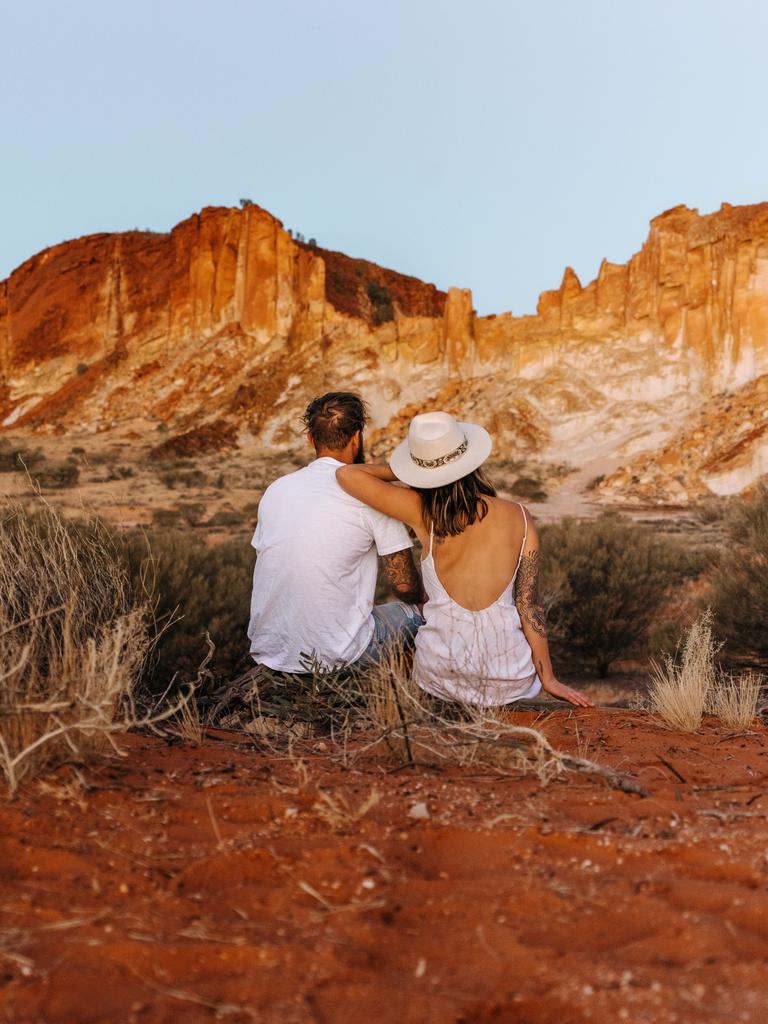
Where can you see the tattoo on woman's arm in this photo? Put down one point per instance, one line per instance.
(527, 594)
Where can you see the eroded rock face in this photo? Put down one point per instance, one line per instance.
(654, 376)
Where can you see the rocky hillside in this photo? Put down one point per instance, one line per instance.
(650, 383)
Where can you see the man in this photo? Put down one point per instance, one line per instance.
(315, 576)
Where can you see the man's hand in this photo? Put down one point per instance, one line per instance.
(403, 576)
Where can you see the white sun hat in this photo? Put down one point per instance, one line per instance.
(439, 450)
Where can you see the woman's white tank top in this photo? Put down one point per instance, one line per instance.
(479, 657)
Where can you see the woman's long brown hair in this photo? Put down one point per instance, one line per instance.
(449, 510)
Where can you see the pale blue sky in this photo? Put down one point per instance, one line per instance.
(484, 144)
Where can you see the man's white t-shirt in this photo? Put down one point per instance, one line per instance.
(316, 566)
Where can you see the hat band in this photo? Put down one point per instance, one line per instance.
(444, 459)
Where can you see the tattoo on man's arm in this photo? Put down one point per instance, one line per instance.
(527, 594)
(403, 576)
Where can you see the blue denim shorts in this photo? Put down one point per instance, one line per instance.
(394, 623)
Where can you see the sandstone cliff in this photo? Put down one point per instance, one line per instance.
(652, 377)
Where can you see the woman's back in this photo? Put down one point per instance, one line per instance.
(476, 567)
(472, 646)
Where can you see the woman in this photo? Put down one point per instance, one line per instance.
(484, 640)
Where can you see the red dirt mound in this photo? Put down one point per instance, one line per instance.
(207, 438)
(220, 883)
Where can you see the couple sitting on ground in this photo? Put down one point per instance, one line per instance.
(476, 622)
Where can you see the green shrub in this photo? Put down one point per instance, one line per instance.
(57, 476)
(712, 510)
(191, 512)
(227, 517)
(739, 595)
(205, 589)
(15, 456)
(120, 472)
(166, 518)
(603, 581)
(98, 458)
(184, 478)
(529, 488)
(381, 301)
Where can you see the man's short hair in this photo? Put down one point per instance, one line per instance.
(333, 419)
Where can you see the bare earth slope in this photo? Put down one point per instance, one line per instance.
(653, 376)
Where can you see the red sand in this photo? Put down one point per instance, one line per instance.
(207, 883)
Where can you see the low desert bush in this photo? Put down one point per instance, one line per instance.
(529, 488)
(739, 596)
(57, 476)
(602, 582)
(73, 639)
(15, 456)
(380, 297)
(120, 473)
(227, 518)
(712, 510)
(194, 589)
(184, 478)
(166, 519)
(191, 512)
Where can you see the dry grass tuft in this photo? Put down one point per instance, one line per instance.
(734, 699)
(339, 814)
(683, 690)
(680, 688)
(72, 642)
(189, 723)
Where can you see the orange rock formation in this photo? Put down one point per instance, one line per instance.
(652, 376)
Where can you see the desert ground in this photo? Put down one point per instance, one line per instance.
(222, 882)
(223, 877)
(128, 479)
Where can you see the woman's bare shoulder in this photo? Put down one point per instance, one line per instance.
(514, 510)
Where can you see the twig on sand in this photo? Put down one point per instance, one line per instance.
(307, 888)
(675, 772)
(341, 908)
(453, 735)
(214, 824)
(725, 817)
(597, 825)
(18, 958)
(403, 723)
(571, 762)
(190, 997)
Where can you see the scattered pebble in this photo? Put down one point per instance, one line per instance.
(419, 812)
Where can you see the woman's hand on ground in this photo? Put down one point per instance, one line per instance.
(563, 692)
